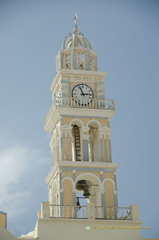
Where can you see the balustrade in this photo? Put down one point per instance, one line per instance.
(108, 213)
(105, 104)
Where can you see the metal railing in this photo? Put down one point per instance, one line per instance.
(108, 213)
(105, 104)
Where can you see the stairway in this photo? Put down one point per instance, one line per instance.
(77, 143)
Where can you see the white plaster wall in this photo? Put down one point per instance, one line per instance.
(60, 229)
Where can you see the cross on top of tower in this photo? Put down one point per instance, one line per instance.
(75, 22)
(75, 39)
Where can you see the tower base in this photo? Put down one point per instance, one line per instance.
(81, 229)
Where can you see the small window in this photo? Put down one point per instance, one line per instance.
(67, 61)
(81, 61)
(92, 62)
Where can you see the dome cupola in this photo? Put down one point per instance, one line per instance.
(76, 52)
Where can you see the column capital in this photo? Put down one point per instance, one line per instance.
(85, 137)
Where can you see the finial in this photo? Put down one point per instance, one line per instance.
(76, 18)
(75, 22)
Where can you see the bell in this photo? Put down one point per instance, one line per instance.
(86, 193)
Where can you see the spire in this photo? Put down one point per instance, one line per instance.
(75, 30)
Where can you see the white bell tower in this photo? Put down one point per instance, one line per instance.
(82, 186)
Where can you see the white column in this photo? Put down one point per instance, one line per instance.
(85, 137)
(66, 143)
(105, 144)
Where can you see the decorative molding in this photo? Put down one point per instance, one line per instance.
(108, 179)
(77, 120)
(90, 177)
(104, 129)
(85, 137)
(85, 128)
(68, 178)
(93, 121)
(66, 126)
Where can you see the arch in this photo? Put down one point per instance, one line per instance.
(108, 179)
(94, 121)
(94, 187)
(90, 177)
(76, 140)
(66, 126)
(77, 121)
(68, 178)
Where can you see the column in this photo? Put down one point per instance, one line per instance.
(101, 147)
(109, 147)
(87, 60)
(102, 197)
(66, 143)
(105, 144)
(115, 192)
(85, 137)
(74, 194)
(85, 148)
(74, 61)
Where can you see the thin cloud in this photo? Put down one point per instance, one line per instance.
(17, 166)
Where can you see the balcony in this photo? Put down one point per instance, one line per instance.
(88, 212)
(69, 102)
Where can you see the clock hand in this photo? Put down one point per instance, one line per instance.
(81, 90)
(87, 94)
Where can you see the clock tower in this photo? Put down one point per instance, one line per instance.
(82, 187)
(78, 122)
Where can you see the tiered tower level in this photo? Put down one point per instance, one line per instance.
(82, 187)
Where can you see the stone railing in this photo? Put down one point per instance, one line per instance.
(89, 212)
(105, 104)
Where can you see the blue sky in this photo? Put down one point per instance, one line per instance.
(125, 36)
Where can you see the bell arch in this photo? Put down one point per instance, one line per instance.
(76, 121)
(94, 140)
(93, 185)
(76, 125)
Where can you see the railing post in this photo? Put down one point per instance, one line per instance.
(90, 211)
(134, 212)
(45, 210)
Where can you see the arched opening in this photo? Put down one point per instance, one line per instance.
(76, 144)
(88, 186)
(82, 198)
(93, 144)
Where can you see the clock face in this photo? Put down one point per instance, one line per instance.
(82, 94)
